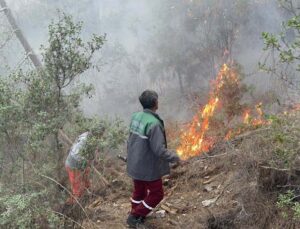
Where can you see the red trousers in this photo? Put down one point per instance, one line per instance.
(79, 180)
(146, 196)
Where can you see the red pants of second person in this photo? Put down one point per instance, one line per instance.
(146, 196)
(79, 180)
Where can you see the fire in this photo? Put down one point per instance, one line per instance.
(259, 118)
(246, 119)
(196, 139)
(296, 107)
(228, 135)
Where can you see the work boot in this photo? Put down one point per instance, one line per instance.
(143, 219)
(135, 221)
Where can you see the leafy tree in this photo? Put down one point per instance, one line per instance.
(34, 105)
(10, 120)
(283, 50)
(25, 210)
(66, 57)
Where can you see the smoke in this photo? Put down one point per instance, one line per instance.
(174, 47)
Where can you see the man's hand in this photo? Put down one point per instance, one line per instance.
(179, 163)
(122, 158)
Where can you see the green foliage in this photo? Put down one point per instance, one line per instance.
(35, 100)
(270, 41)
(10, 107)
(284, 138)
(274, 119)
(115, 133)
(65, 57)
(25, 210)
(286, 45)
(68, 55)
(285, 200)
(34, 105)
(296, 210)
(288, 206)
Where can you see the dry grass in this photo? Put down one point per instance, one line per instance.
(229, 175)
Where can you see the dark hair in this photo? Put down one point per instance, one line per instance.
(148, 99)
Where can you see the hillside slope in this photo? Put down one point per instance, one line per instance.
(235, 185)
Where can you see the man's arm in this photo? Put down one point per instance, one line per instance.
(158, 145)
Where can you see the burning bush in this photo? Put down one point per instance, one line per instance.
(224, 109)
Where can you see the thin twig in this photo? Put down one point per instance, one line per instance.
(295, 197)
(221, 193)
(58, 213)
(277, 169)
(247, 134)
(288, 185)
(103, 179)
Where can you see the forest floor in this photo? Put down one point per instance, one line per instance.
(233, 186)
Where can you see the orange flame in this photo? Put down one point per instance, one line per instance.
(246, 117)
(194, 140)
(259, 120)
(228, 135)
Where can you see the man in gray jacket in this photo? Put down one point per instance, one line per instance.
(147, 158)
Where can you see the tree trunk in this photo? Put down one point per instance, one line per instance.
(58, 147)
(59, 157)
(35, 60)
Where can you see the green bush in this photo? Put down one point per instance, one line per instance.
(287, 205)
(28, 210)
(34, 106)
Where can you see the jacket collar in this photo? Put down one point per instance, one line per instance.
(151, 112)
(154, 114)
